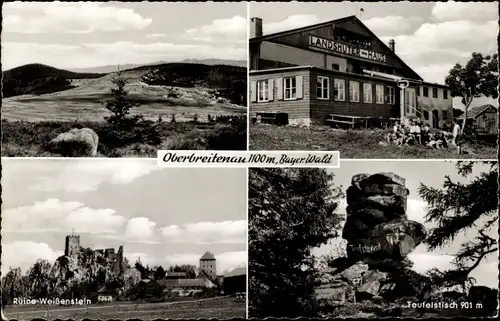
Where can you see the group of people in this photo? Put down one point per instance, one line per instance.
(416, 132)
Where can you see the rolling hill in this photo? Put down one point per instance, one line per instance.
(38, 79)
(38, 92)
(113, 68)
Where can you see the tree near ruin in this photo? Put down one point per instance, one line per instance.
(479, 77)
(291, 211)
(456, 208)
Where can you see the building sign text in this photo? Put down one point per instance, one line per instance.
(345, 49)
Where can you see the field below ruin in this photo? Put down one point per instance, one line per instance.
(352, 143)
(218, 308)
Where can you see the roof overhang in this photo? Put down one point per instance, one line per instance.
(389, 76)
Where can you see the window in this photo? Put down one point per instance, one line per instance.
(434, 93)
(290, 85)
(379, 92)
(354, 91)
(263, 91)
(418, 91)
(392, 95)
(445, 93)
(335, 67)
(339, 89)
(426, 91)
(367, 93)
(323, 88)
(444, 115)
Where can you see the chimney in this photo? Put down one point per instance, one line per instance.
(392, 45)
(255, 27)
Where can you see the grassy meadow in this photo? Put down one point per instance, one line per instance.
(194, 117)
(353, 143)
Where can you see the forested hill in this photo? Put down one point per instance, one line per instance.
(229, 81)
(38, 79)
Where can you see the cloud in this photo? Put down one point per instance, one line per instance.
(226, 261)
(76, 18)
(390, 25)
(121, 52)
(85, 176)
(155, 35)
(221, 30)
(434, 48)
(465, 11)
(24, 254)
(291, 22)
(141, 230)
(206, 232)
(55, 215)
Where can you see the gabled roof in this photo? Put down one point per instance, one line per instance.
(181, 283)
(207, 256)
(324, 24)
(175, 274)
(204, 275)
(236, 272)
(477, 111)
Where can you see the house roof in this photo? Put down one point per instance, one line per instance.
(175, 274)
(477, 111)
(207, 256)
(181, 283)
(326, 23)
(294, 68)
(236, 272)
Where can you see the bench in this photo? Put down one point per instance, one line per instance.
(275, 118)
(342, 119)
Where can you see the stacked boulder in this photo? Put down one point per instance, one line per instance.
(377, 228)
(379, 238)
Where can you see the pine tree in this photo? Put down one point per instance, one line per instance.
(121, 104)
(291, 211)
(459, 207)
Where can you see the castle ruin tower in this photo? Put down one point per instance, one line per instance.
(72, 247)
(208, 264)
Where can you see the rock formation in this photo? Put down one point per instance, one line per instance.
(75, 143)
(379, 238)
(377, 228)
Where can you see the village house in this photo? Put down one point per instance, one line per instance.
(235, 281)
(337, 72)
(482, 119)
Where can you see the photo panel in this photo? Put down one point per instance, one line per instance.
(374, 239)
(122, 239)
(375, 80)
(123, 79)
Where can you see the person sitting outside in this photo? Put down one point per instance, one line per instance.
(425, 133)
(415, 132)
(396, 128)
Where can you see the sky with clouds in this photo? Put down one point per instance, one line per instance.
(164, 216)
(431, 37)
(430, 173)
(90, 34)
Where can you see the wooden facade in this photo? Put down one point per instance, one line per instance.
(341, 50)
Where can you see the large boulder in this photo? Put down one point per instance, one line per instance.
(394, 240)
(367, 290)
(382, 178)
(353, 274)
(333, 294)
(75, 143)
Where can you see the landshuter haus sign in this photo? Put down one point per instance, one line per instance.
(346, 49)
